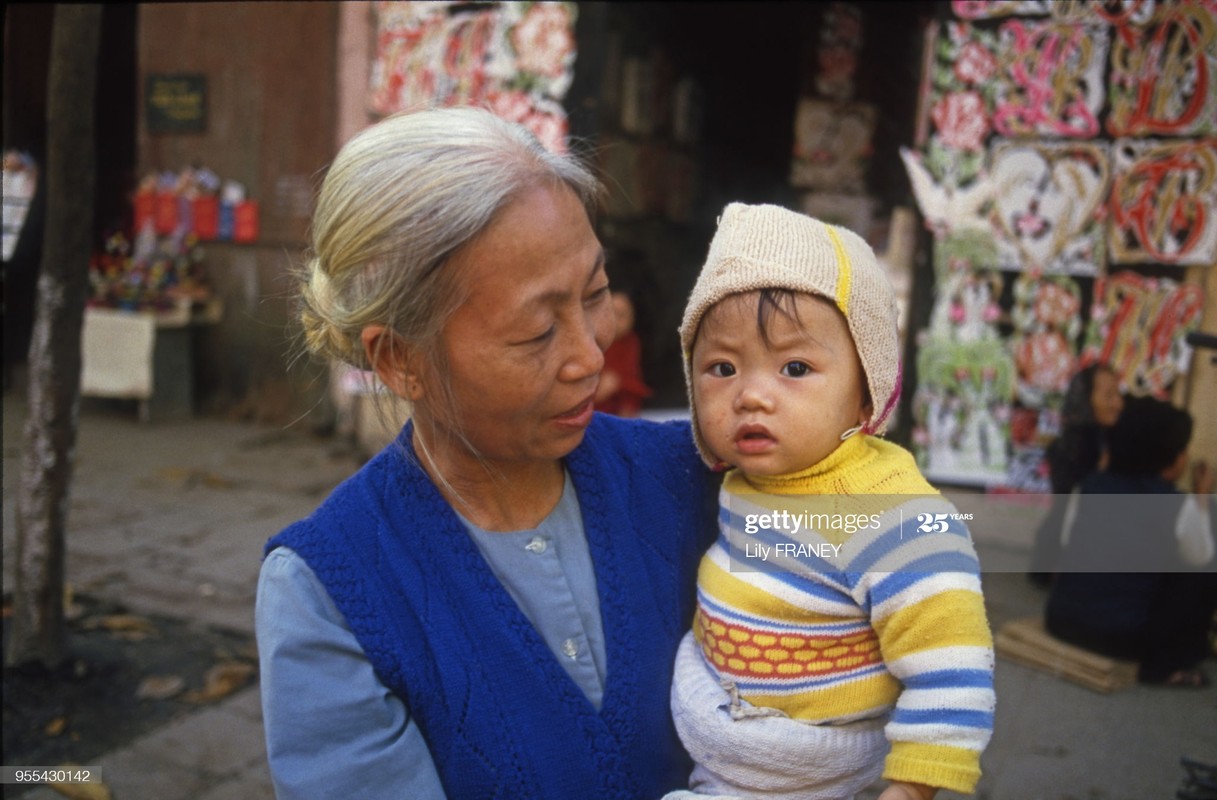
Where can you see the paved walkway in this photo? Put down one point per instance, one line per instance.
(170, 518)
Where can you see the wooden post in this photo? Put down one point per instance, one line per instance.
(37, 633)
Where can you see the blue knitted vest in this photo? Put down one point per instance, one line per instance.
(500, 715)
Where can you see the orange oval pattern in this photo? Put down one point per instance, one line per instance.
(753, 652)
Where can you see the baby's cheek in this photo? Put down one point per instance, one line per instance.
(714, 429)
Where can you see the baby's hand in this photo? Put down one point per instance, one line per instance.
(908, 791)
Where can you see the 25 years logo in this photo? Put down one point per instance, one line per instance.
(937, 523)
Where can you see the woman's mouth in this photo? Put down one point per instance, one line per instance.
(578, 416)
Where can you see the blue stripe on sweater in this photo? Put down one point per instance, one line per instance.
(951, 679)
(920, 569)
(781, 685)
(844, 628)
(960, 717)
(780, 573)
(824, 567)
(897, 535)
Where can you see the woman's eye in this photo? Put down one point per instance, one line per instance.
(722, 370)
(598, 295)
(543, 337)
(795, 369)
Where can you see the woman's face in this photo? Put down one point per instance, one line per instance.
(1105, 399)
(525, 349)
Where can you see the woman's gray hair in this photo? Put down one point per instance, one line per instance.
(399, 200)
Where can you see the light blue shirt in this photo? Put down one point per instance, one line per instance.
(334, 730)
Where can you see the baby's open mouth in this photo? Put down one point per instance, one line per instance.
(753, 438)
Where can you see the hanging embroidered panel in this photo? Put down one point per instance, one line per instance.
(517, 58)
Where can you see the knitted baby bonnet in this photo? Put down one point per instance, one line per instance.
(769, 247)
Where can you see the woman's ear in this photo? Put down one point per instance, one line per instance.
(393, 362)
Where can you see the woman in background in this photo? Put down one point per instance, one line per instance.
(1092, 405)
(1131, 517)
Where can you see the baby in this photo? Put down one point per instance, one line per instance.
(823, 655)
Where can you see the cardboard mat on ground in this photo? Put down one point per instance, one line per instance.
(1024, 641)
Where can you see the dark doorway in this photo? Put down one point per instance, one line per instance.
(27, 48)
(751, 63)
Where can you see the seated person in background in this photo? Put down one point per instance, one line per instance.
(1159, 616)
(1092, 405)
(622, 390)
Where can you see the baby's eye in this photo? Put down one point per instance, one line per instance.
(722, 370)
(795, 369)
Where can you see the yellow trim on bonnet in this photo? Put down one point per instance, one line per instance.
(846, 276)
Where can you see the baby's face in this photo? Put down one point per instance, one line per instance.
(782, 407)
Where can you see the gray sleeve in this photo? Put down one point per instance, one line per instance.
(332, 728)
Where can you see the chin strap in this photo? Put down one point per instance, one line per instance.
(850, 432)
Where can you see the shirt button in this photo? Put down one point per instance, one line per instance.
(570, 648)
(536, 545)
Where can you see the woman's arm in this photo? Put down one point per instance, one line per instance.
(332, 728)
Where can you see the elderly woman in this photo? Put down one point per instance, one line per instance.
(491, 606)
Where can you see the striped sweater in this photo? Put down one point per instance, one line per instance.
(849, 591)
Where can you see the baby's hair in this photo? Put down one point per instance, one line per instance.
(772, 302)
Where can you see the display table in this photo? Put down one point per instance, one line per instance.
(145, 356)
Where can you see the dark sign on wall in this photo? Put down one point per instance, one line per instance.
(175, 103)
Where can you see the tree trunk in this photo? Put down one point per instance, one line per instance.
(37, 633)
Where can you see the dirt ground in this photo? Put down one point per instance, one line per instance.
(125, 675)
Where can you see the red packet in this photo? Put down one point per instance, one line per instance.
(166, 213)
(207, 218)
(245, 221)
(145, 209)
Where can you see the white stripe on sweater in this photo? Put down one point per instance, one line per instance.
(925, 589)
(943, 658)
(968, 699)
(951, 735)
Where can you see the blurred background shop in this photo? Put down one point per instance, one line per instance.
(1039, 178)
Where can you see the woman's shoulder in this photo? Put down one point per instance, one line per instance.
(367, 482)
(643, 440)
(357, 503)
(640, 451)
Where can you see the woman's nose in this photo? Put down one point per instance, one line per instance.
(585, 357)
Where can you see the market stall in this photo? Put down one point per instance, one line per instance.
(1066, 165)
